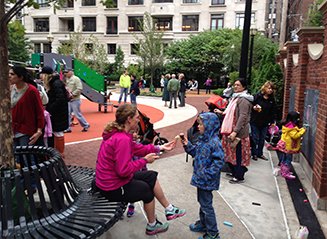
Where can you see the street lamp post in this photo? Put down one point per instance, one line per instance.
(253, 32)
(245, 39)
(50, 39)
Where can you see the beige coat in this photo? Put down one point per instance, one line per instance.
(242, 117)
(74, 84)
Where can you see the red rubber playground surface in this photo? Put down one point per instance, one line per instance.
(98, 120)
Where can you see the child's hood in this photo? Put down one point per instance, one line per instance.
(211, 125)
(289, 127)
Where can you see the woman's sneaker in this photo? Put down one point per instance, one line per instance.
(198, 227)
(175, 213)
(130, 211)
(159, 227)
(208, 236)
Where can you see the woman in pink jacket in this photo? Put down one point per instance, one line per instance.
(120, 179)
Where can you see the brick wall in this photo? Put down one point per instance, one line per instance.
(310, 74)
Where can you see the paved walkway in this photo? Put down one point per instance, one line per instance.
(274, 217)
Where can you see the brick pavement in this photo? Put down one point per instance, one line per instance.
(85, 154)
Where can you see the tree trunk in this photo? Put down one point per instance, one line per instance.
(151, 76)
(6, 134)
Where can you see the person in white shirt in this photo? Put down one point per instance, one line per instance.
(194, 85)
(227, 93)
(162, 82)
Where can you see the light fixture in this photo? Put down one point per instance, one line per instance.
(253, 30)
(50, 38)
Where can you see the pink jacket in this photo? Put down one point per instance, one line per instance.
(48, 125)
(115, 167)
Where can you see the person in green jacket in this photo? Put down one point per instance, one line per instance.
(173, 87)
(125, 83)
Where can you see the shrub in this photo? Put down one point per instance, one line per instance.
(156, 94)
(218, 91)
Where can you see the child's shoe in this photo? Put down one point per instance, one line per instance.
(159, 227)
(198, 227)
(175, 213)
(130, 211)
(208, 236)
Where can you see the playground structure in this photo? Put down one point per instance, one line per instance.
(94, 84)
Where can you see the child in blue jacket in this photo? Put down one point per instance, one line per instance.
(209, 159)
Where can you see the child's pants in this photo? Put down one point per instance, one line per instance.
(286, 159)
(207, 212)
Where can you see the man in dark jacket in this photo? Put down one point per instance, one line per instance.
(182, 90)
(134, 91)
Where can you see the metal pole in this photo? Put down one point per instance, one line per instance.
(250, 62)
(245, 40)
(105, 94)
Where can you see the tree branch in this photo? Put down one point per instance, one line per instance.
(7, 15)
(16, 11)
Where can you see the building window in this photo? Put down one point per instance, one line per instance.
(161, 1)
(191, 1)
(133, 23)
(217, 21)
(37, 48)
(218, 2)
(116, 3)
(88, 48)
(135, 2)
(70, 24)
(68, 4)
(42, 3)
(190, 23)
(46, 48)
(164, 24)
(41, 24)
(88, 2)
(111, 49)
(89, 24)
(133, 49)
(240, 20)
(111, 25)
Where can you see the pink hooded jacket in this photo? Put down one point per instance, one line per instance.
(115, 167)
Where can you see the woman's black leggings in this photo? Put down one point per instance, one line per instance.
(140, 188)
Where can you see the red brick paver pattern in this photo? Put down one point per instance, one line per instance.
(85, 154)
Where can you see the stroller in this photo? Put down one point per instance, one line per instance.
(216, 102)
(272, 137)
(148, 133)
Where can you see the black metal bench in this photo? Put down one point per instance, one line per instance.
(61, 207)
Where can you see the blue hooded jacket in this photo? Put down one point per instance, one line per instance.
(209, 154)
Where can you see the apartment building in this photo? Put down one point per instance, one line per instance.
(113, 26)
